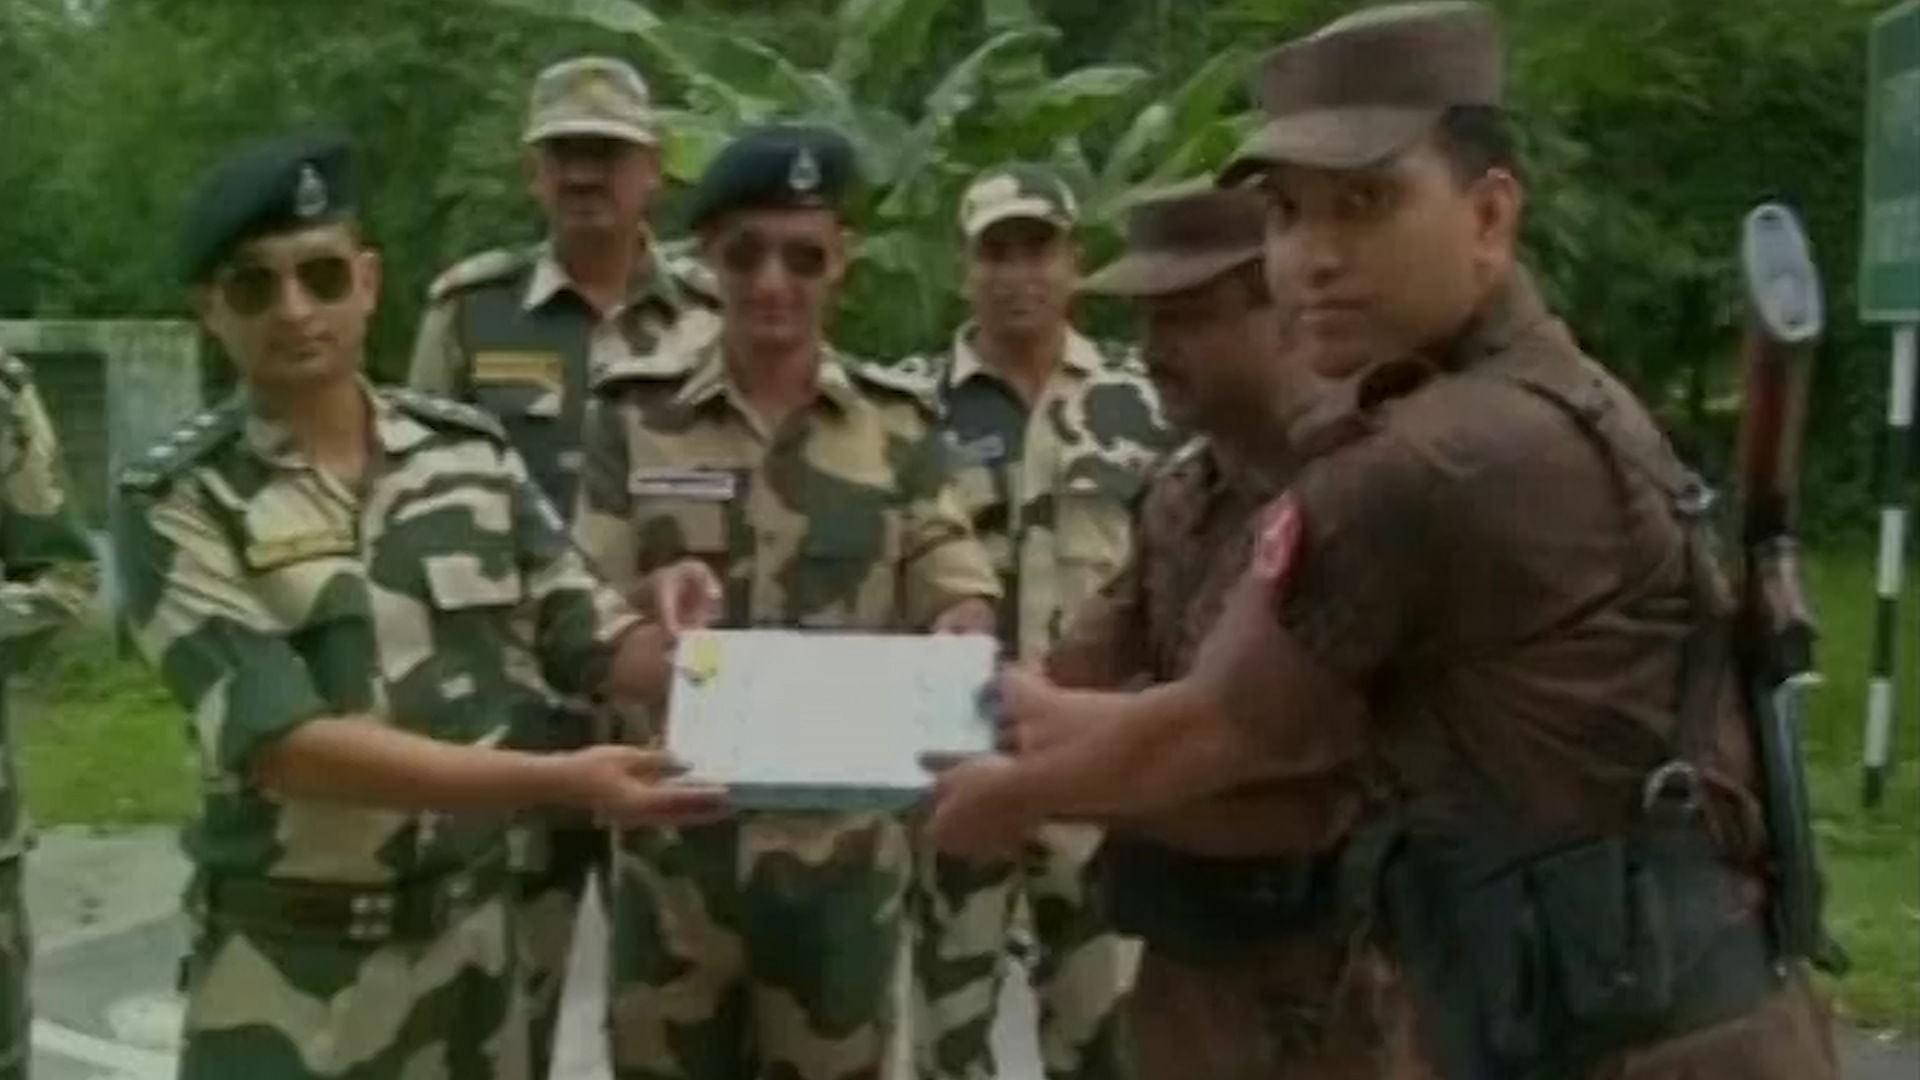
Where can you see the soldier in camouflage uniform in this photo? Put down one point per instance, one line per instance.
(816, 486)
(47, 575)
(1055, 437)
(356, 593)
(520, 332)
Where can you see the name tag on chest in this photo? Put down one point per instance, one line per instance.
(545, 370)
(705, 485)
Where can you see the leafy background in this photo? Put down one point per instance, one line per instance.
(1650, 127)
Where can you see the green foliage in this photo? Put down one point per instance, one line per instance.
(999, 101)
(1648, 129)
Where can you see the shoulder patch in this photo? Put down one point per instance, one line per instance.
(492, 265)
(1276, 549)
(913, 380)
(185, 447)
(445, 413)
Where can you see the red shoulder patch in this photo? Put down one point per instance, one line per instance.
(1277, 547)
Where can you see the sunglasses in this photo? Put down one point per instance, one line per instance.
(250, 290)
(745, 253)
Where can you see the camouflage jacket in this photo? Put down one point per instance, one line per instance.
(443, 597)
(1050, 491)
(845, 517)
(506, 330)
(47, 568)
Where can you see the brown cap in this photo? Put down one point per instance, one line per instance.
(1367, 86)
(1183, 238)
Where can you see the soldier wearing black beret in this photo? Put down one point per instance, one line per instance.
(356, 592)
(816, 484)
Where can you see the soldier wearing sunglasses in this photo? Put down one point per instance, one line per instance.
(518, 331)
(815, 485)
(356, 593)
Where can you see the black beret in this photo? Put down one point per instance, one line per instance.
(772, 167)
(276, 184)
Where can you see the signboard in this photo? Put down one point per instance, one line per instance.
(1890, 243)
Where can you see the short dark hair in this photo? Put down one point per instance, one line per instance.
(1476, 139)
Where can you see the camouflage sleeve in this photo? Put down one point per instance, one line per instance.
(50, 572)
(579, 620)
(603, 512)
(193, 614)
(1105, 646)
(438, 365)
(944, 562)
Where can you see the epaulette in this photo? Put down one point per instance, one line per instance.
(692, 277)
(654, 366)
(445, 413)
(915, 380)
(188, 445)
(487, 266)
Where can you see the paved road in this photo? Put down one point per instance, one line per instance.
(104, 910)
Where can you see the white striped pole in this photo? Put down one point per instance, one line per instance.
(1893, 534)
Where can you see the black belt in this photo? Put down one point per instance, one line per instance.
(410, 911)
(1198, 905)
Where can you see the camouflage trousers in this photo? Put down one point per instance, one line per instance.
(16, 965)
(765, 945)
(314, 1008)
(554, 864)
(962, 915)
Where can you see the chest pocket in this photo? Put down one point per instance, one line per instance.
(1093, 515)
(845, 571)
(477, 630)
(683, 513)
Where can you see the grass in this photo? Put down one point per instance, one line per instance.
(102, 744)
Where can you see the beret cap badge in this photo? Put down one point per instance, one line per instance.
(804, 174)
(309, 193)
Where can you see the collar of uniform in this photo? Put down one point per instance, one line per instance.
(651, 281)
(1081, 355)
(711, 379)
(396, 432)
(1513, 312)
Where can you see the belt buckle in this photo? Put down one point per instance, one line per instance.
(370, 916)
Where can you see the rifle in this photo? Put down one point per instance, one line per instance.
(1774, 630)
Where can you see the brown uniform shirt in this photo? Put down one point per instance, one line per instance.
(1194, 528)
(1513, 609)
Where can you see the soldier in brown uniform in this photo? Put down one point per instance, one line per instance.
(1232, 895)
(1498, 553)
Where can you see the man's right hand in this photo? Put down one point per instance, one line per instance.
(684, 596)
(626, 785)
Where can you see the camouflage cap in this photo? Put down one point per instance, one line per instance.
(274, 184)
(591, 95)
(1020, 190)
(1182, 238)
(1367, 86)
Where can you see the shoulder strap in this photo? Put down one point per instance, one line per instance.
(1705, 651)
